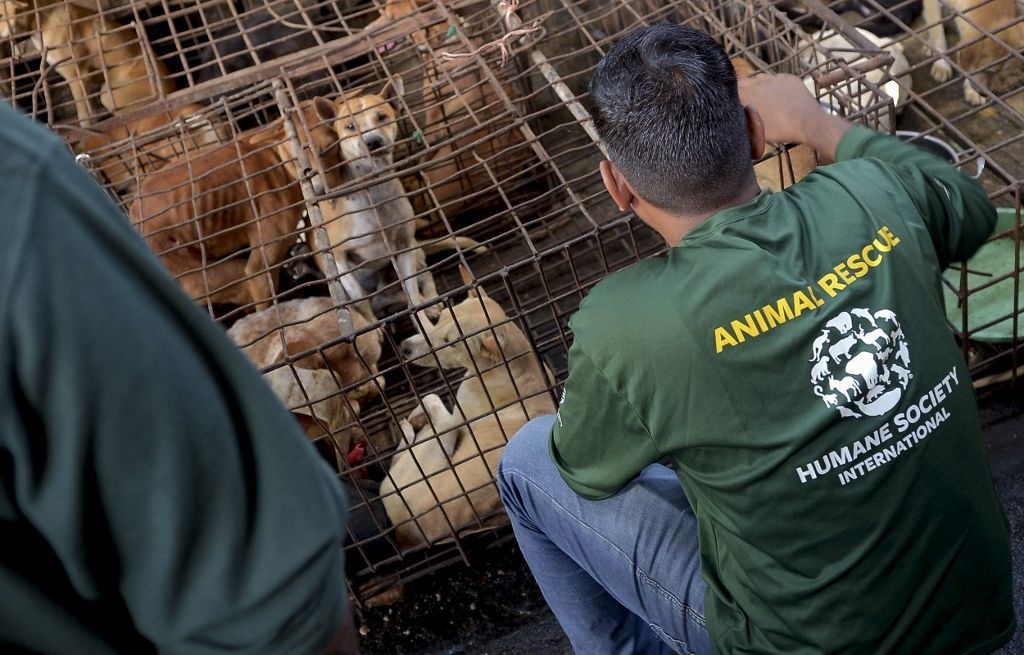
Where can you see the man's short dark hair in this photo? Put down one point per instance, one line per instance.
(665, 103)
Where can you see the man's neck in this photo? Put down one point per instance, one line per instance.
(673, 226)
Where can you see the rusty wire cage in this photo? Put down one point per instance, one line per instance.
(246, 168)
(957, 90)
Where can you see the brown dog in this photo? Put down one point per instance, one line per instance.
(472, 437)
(121, 167)
(316, 401)
(784, 169)
(98, 57)
(296, 326)
(995, 17)
(199, 212)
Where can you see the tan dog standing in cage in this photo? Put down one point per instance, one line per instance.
(202, 212)
(502, 373)
(102, 60)
(370, 227)
(994, 18)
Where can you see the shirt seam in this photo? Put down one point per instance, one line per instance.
(623, 398)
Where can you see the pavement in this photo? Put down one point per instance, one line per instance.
(494, 607)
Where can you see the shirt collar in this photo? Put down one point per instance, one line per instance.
(720, 219)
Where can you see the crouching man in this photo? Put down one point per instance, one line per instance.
(829, 490)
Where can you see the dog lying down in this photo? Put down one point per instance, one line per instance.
(297, 326)
(425, 511)
(316, 400)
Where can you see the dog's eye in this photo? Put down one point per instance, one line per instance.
(381, 118)
(350, 127)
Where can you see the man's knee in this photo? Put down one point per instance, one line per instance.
(528, 444)
(526, 452)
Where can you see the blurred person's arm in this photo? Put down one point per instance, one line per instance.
(152, 458)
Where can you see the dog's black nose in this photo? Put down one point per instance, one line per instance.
(374, 143)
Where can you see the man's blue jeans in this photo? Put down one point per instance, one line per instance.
(622, 575)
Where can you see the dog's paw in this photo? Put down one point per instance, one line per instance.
(971, 94)
(941, 71)
(408, 432)
(417, 418)
(433, 312)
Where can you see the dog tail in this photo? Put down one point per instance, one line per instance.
(454, 243)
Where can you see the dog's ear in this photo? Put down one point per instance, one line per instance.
(491, 346)
(393, 89)
(501, 343)
(467, 279)
(325, 109)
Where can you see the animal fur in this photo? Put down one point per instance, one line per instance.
(424, 496)
(995, 16)
(121, 167)
(465, 119)
(318, 404)
(297, 326)
(270, 38)
(201, 212)
(372, 227)
(101, 59)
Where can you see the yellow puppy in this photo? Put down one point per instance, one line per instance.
(425, 497)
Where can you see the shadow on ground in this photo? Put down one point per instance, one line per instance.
(495, 608)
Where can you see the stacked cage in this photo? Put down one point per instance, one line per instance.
(956, 88)
(393, 209)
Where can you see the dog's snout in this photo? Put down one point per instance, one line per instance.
(374, 143)
(407, 350)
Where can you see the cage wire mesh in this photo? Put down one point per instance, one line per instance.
(395, 206)
(957, 89)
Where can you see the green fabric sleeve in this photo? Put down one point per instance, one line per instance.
(598, 442)
(165, 475)
(957, 212)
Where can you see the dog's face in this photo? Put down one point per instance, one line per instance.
(13, 17)
(463, 336)
(366, 125)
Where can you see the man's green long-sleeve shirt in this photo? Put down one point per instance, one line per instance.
(791, 357)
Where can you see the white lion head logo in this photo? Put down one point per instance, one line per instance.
(861, 363)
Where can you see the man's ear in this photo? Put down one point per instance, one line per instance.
(618, 188)
(755, 130)
(325, 109)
